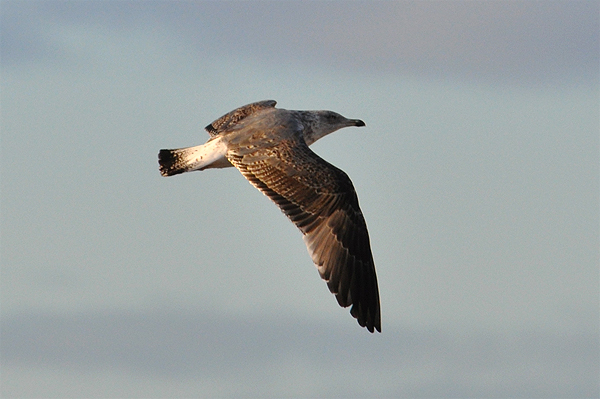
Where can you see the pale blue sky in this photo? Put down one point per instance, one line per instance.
(477, 174)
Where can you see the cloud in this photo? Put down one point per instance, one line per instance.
(273, 357)
(505, 41)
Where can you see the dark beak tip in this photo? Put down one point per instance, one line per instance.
(359, 123)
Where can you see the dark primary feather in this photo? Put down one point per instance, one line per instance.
(321, 201)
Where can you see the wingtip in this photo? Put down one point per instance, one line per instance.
(367, 318)
(372, 328)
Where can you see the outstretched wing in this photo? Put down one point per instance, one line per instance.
(321, 201)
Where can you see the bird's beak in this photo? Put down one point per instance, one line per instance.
(356, 122)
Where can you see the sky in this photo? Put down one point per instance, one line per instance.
(477, 173)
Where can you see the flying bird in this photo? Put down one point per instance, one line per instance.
(270, 147)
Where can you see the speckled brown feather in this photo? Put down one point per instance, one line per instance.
(235, 116)
(321, 201)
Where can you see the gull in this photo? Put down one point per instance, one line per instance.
(270, 147)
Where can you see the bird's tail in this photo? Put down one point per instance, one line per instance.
(181, 160)
(172, 162)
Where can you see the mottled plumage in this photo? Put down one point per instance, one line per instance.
(269, 146)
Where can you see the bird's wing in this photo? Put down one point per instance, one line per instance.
(321, 201)
(232, 118)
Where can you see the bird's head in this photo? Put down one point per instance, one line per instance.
(321, 123)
